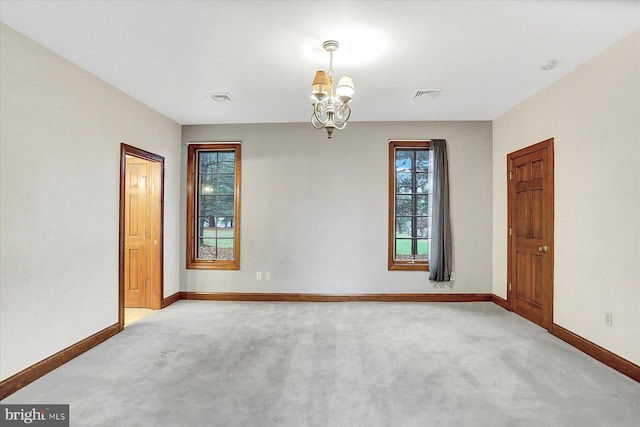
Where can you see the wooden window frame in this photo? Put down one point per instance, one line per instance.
(393, 264)
(192, 218)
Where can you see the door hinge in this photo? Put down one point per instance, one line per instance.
(509, 286)
(510, 175)
(510, 231)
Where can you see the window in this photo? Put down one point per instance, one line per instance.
(213, 206)
(409, 205)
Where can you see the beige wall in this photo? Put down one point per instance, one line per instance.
(594, 116)
(314, 211)
(60, 135)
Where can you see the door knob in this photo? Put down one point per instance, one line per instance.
(543, 248)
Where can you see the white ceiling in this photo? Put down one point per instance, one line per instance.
(485, 56)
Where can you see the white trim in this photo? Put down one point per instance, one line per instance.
(212, 142)
(410, 140)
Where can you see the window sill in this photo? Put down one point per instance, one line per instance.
(213, 265)
(408, 266)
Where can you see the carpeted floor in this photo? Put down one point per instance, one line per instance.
(200, 363)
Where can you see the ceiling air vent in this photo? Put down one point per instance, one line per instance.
(220, 97)
(430, 93)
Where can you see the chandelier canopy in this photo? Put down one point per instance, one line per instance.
(331, 110)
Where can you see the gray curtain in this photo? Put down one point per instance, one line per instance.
(440, 250)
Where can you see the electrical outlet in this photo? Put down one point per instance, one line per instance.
(453, 276)
(608, 319)
(258, 275)
(267, 275)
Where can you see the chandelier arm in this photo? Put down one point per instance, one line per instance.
(319, 111)
(341, 119)
(317, 123)
(341, 125)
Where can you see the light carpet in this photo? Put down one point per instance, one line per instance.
(201, 363)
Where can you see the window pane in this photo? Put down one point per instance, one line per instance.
(224, 222)
(404, 160)
(422, 160)
(403, 182)
(404, 205)
(225, 248)
(403, 249)
(226, 167)
(224, 232)
(207, 162)
(422, 182)
(226, 156)
(403, 226)
(207, 205)
(208, 236)
(206, 249)
(207, 183)
(422, 204)
(225, 206)
(422, 226)
(423, 250)
(207, 223)
(226, 184)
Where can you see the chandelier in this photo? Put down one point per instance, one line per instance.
(331, 111)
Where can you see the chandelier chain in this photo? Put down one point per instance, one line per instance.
(330, 73)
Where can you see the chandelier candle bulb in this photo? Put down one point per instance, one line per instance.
(331, 112)
(320, 85)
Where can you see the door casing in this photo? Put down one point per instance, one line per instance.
(156, 290)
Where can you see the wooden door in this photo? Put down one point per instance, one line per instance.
(530, 260)
(136, 268)
(140, 257)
